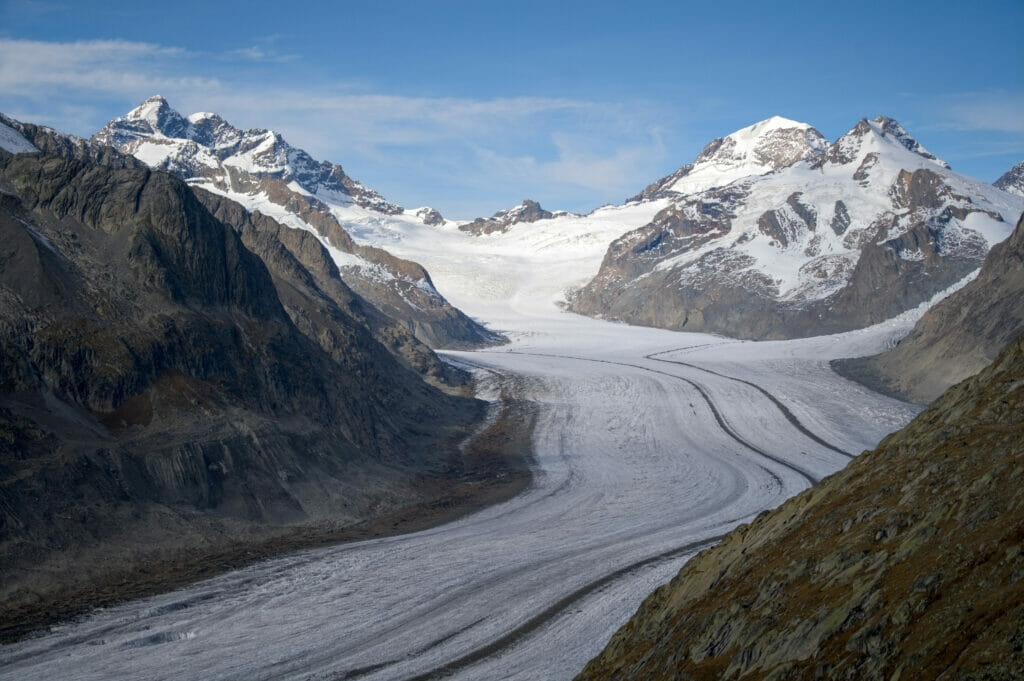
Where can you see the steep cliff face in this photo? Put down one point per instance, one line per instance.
(774, 233)
(313, 292)
(957, 337)
(177, 374)
(906, 564)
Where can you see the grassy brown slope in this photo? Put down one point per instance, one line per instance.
(906, 564)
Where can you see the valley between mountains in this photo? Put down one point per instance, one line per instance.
(648, 444)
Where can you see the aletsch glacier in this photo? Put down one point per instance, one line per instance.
(649, 444)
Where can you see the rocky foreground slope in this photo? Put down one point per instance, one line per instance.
(180, 378)
(957, 337)
(907, 564)
(773, 232)
(261, 171)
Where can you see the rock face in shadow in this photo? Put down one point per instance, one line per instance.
(177, 374)
(957, 337)
(313, 292)
(806, 240)
(906, 564)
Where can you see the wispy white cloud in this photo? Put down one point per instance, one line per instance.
(982, 111)
(260, 54)
(579, 164)
(521, 144)
(38, 68)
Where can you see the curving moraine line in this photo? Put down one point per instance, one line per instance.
(799, 470)
(539, 620)
(783, 408)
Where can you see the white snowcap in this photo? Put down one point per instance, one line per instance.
(757, 149)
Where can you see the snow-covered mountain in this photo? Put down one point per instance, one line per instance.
(760, 148)
(773, 232)
(206, 146)
(1012, 180)
(260, 170)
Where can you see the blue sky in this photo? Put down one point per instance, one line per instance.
(472, 106)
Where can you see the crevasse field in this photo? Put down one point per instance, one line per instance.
(649, 446)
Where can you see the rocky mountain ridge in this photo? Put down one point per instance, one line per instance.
(957, 337)
(774, 233)
(262, 172)
(769, 145)
(205, 144)
(527, 211)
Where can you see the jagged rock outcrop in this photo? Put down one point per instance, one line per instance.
(527, 211)
(906, 564)
(957, 337)
(773, 233)
(430, 216)
(260, 170)
(1012, 180)
(178, 375)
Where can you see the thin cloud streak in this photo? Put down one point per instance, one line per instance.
(598, 147)
(982, 112)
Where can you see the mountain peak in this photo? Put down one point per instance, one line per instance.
(886, 132)
(763, 147)
(204, 146)
(1012, 180)
(890, 127)
(160, 117)
(527, 211)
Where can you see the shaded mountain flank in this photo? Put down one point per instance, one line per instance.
(185, 386)
(774, 233)
(260, 170)
(957, 337)
(907, 564)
